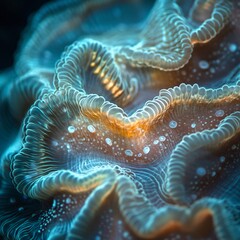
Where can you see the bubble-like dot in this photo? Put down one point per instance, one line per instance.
(55, 143)
(201, 171)
(108, 141)
(213, 174)
(91, 128)
(54, 203)
(146, 150)
(155, 142)
(222, 159)
(219, 113)
(173, 124)
(68, 200)
(129, 152)
(162, 138)
(125, 234)
(232, 47)
(203, 64)
(193, 125)
(68, 146)
(71, 129)
(212, 70)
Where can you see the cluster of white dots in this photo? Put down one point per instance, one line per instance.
(202, 172)
(203, 64)
(108, 220)
(115, 144)
(60, 207)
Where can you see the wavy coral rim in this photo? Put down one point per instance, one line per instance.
(94, 106)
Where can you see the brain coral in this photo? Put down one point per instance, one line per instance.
(120, 119)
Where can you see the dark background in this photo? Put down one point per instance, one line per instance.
(14, 15)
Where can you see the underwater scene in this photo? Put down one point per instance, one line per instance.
(120, 120)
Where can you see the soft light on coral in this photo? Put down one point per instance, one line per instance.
(121, 120)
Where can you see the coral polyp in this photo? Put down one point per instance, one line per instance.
(121, 120)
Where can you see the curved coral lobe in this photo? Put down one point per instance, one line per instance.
(121, 120)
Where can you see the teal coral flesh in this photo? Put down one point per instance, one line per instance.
(120, 119)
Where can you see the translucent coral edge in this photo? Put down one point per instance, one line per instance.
(212, 26)
(152, 56)
(46, 23)
(90, 55)
(146, 221)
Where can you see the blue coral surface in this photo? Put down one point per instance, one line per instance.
(120, 120)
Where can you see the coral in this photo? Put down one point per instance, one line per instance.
(121, 120)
